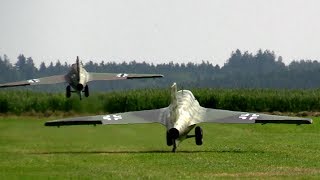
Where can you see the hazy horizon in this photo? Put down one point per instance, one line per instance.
(158, 31)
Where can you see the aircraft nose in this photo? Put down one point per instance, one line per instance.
(79, 87)
(174, 133)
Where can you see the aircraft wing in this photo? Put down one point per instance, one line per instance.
(134, 117)
(119, 76)
(225, 116)
(45, 80)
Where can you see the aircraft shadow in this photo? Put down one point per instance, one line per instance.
(144, 152)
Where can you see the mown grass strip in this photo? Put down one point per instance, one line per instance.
(29, 150)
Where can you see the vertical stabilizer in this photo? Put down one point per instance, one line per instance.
(174, 94)
(78, 68)
(78, 63)
(174, 104)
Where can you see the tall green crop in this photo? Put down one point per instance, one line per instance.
(255, 100)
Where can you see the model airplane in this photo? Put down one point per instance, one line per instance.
(77, 78)
(180, 117)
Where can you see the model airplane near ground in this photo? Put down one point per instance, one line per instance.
(180, 117)
(77, 78)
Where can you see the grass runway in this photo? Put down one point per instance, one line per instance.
(29, 150)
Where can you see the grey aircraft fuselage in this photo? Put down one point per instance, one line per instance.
(180, 117)
(77, 77)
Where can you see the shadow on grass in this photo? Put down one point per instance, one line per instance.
(144, 152)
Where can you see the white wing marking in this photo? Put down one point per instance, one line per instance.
(247, 116)
(33, 80)
(112, 117)
(122, 75)
(244, 116)
(117, 117)
(254, 116)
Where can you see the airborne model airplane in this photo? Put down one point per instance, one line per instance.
(77, 78)
(180, 117)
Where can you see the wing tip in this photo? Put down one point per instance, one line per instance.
(148, 76)
(15, 85)
(286, 121)
(70, 123)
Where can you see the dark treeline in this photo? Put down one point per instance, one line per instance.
(242, 70)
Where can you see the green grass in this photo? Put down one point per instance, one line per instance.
(29, 150)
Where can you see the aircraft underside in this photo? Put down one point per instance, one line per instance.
(172, 137)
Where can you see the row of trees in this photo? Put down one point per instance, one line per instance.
(242, 70)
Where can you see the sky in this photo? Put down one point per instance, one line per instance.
(158, 31)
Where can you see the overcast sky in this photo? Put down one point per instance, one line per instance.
(158, 30)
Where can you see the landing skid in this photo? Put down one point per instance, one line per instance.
(190, 136)
(174, 146)
(86, 91)
(198, 138)
(80, 95)
(198, 135)
(69, 91)
(171, 142)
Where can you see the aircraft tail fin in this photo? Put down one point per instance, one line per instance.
(78, 67)
(174, 104)
(174, 94)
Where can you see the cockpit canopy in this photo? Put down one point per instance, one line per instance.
(185, 93)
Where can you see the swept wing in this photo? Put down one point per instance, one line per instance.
(134, 117)
(45, 80)
(119, 76)
(225, 116)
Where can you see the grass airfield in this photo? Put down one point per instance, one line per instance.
(29, 150)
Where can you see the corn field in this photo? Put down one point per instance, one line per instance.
(253, 100)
